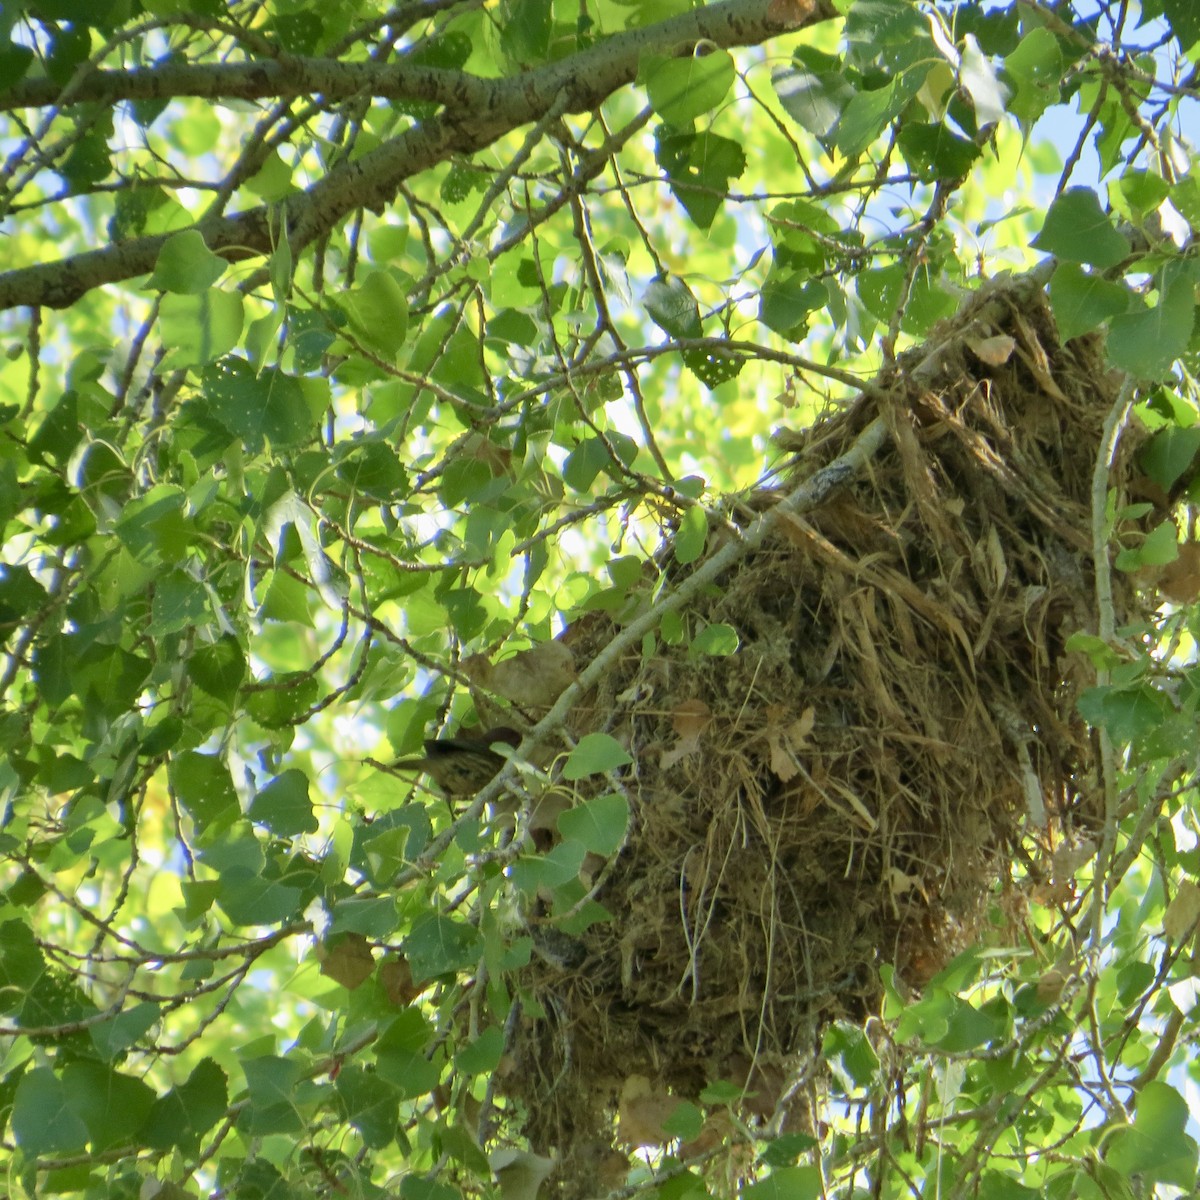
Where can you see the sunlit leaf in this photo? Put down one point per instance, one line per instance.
(682, 89)
(1076, 229)
(595, 754)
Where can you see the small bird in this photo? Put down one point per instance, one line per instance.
(463, 764)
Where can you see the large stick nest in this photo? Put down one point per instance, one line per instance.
(847, 789)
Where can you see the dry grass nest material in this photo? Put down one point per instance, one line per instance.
(848, 788)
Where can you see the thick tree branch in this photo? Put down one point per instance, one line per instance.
(474, 117)
(282, 78)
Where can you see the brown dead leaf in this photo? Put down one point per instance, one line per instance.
(993, 351)
(642, 1111)
(717, 1129)
(532, 678)
(484, 450)
(348, 961)
(1180, 580)
(763, 1082)
(548, 807)
(690, 717)
(1183, 912)
(786, 742)
(1070, 856)
(397, 980)
(689, 720)
(1059, 888)
(1053, 894)
(1050, 985)
(612, 1172)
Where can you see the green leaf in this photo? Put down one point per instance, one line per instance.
(1083, 302)
(1129, 714)
(1185, 21)
(969, 1027)
(1157, 1147)
(936, 152)
(929, 298)
(186, 265)
(786, 1148)
(1076, 229)
(691, 535)
(43, 1121)
(418, 1187)
(114, 1036)
(540, 874)
(201, 327)
(89, 160)
(15, 61)
(272, 182)
(599, 825)
(58, 433)
(525, 31)
(712, 367)
(219, 668)
(449, 49)
(409, 1032)
(269, 407)
(1143, 192)
(978, 76)
(700, 167)
(374, 917)
(885, 34)
(378, 312)
(180, 602)
(188, 1111)
(1169, 453)
(787, 1183)
(717, 639)
(20, 594)
(114, 1107)
(249, 899)
(284, 807)
(866, 117)
(438, 945)
(1147, 343)
(381, 848)
(154, 527)
(584, 463)
(672, 307)
(271, 1082)
(813, 91)
(1097, 649)
(482, 1055)
(721, 1091)
(1160, 546)
(685, 1121)
(595, 754)
(788, 299)
(461, 181)
(21, 965)
(204, 788)
(371, 1104)
(283, 701)
(848, 1050)
(682, 89)
(371, 467)
(1035, 68)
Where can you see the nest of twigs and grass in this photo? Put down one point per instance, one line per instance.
(852, 786)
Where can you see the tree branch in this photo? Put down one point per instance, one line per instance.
(482, 112)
